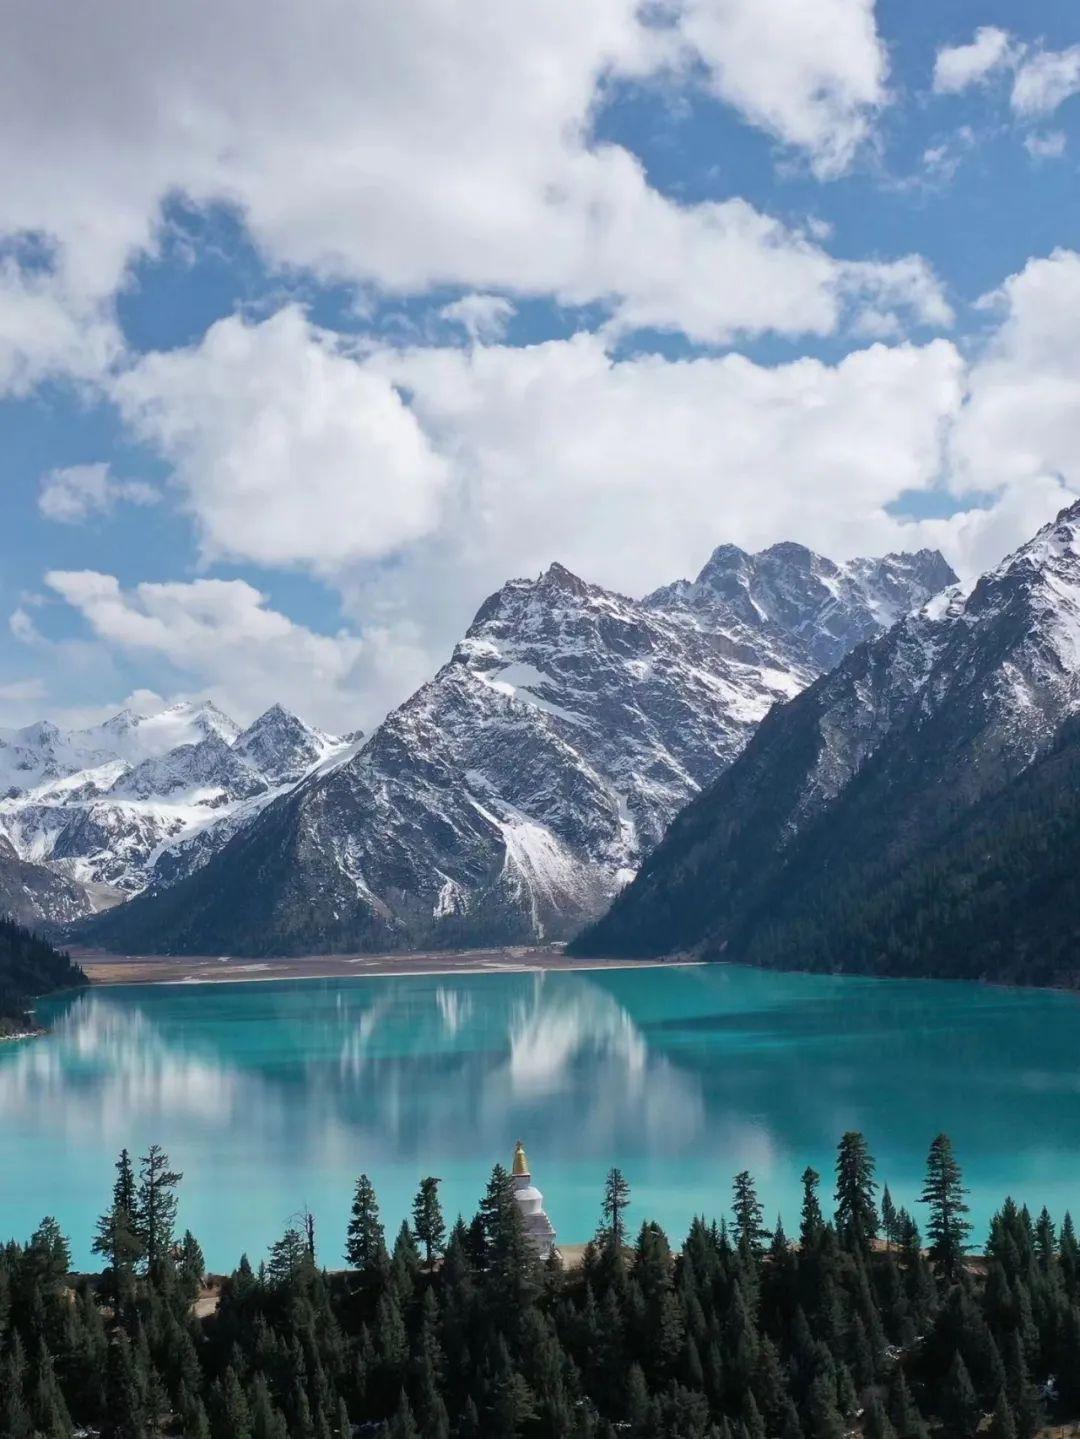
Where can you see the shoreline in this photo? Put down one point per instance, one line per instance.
(105, 970)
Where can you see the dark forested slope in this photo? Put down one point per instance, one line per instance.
(29, 966)
(910, 813)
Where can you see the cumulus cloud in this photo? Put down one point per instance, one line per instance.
(958, 67)
(47, 332)
(1050, 146)
(1021, 421)
(1046, 80)
(224, 635)
(287, 450)
(482, 317)
(1042, 79)
(74, 493)
(396, 146)
(627, 469)
(810, 72)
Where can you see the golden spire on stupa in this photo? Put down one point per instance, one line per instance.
(521, 1164)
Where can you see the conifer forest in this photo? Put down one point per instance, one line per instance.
(864, 1320)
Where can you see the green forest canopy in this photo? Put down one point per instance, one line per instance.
(854, 1324)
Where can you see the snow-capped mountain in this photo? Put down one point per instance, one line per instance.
(511, 796)
(139, 799)
(852, 831)
(801, 604)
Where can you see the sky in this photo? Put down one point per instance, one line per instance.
(318, 323)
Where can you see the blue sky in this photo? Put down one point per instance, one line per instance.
(313, 331)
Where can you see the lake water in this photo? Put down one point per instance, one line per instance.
(272, 1096)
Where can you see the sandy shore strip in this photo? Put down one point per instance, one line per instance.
(103, 968)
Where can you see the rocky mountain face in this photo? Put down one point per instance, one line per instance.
(35, 895)
(514, 794)
(908, 812)
(90, 817)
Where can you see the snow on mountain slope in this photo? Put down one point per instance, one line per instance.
(866, 772)
(141, 799)
(512, 795)
(803, 605)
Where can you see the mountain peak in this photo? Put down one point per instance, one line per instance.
(558, 577)
(281, 746)
(790, 552)
(277, 714)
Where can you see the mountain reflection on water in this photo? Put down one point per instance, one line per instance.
(275, 1095)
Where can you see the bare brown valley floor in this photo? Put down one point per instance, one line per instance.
(103, 968)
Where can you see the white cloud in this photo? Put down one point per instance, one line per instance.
(977, 538)
(958, 67)
(627, 470)
(1021, 422)
(47, 332)
(22, 691)
(482, 317)
(73, 493)
(810, 72)
(1045, 80)
(1050, 146)
(288, 451)
(223, 635)
(395, 145)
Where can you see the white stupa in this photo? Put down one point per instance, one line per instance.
(538, 1227)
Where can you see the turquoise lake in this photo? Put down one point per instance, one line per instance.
(274, 1096)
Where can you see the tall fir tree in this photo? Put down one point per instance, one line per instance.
(155, 1208)
(429, 1227)
(611, 1234)
(947, 1229)
(812, 1221)
(856, 1213)
(365, 1245)
(749, 1216)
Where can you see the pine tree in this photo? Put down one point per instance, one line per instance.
(51, 1418)
(404, 1262)
(194, 1423)
(611, 1233)
(403, 1426)
(1002, 1424)
(749, 1227)
(889, 1217)
(365, 1246)
(509, 1261)
(15, 1417)
(959, 1405)
(638, 1407)
(856, 1215)
(126, 1416)
(429, 1227)
(877, 1424)
(117, 1239)
(812, 1221)
(290, 1259)
(944, 1192)
(155, 1208)
(192, 1266)
(903, 1411)
(790, 1428)
(231, 1412)
(825, 1420)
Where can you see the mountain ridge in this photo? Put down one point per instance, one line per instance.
(511, 795)
(865, 773)
(95, 815)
